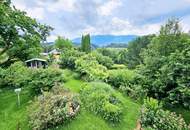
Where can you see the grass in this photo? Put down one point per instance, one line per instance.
(10, 114)
(88, 121)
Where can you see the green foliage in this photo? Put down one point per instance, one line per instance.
(175, 74)
(68, 58)
(118, 66)
(122, 56)
(120, 77)
(52, 109)
(20, 35)
(101, 99)
(85, 43)
(165, 66)
(90, 69)
(45, 79)
(103, 60)
(154, 116)
(17, 75)
(134, 48)
(62, 43)
(118, 55)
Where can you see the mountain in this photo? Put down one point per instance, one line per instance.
(104, 40)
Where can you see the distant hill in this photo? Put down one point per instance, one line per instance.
(104, 40)
(116, 45)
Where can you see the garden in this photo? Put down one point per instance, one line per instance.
(144, 86)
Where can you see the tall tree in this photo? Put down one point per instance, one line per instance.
(134, 48)
(166, 63)
(85, 43)
(63, 43)
(20, 35)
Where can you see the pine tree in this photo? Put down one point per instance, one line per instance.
(85, 43)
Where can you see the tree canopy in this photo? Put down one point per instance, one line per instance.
(20, 35)
(63, 43)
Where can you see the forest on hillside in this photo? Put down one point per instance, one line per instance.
(142, 85)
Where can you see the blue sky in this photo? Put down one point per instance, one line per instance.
(72, 18)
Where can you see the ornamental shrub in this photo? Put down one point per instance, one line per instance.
(103, 60)
(120, 77)
(102, 100)
(68, 58)
(90, 69)
(152, 115)
(17, 75)
(53, 108)
(45, 79)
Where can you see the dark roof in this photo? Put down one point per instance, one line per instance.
(36, 59)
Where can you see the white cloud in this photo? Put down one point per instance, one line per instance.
(121, 26)
(118, 26)
(52, 38)
(187, 0)
(36, 12)
(185, 23)
(72, 18)
(57, 6)
(19, 5)
(107, 8)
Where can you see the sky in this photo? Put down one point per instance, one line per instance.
(72, 18)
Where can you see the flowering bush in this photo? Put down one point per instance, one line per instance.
(154, 116)
(52, 109)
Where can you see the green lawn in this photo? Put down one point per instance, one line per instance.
(89, 121)
(10, 114)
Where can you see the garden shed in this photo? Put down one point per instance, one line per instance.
(36, 63)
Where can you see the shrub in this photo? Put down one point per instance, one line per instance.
(52, 109)
(121, 77)
(17, 75)
(118, 66)
(68, 58)
(103, 60)
(154, 116)
(45, 79)
(101, 99)
(90, 69)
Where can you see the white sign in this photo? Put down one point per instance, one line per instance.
(17, 91)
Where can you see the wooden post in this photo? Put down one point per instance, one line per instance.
(18, 99)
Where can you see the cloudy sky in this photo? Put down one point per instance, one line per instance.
(72, 18)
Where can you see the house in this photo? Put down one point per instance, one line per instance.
(36, 63)
(55, 53)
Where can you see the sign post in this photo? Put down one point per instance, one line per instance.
(17, 91)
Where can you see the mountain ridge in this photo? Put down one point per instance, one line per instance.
(104, 40)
